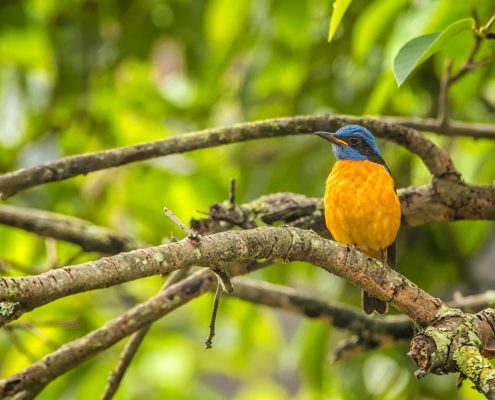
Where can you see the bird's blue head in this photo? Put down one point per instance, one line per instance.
(353, 142)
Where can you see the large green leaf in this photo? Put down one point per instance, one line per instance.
(339, 9)
(419, 49)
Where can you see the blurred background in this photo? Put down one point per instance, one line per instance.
(86, 75)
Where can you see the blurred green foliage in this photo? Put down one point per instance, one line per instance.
(86, 75)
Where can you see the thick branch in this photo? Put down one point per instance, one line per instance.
(25, 293)
(455, 342)
(436, 159)
(83, 233)
(260, 243)
(443, 200)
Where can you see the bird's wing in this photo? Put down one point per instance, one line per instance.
(392, 255)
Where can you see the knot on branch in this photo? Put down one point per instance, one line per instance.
(453, 343)
(222, 216)
(274, 209)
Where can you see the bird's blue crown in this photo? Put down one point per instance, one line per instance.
(361, 144)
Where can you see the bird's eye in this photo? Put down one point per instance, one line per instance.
(353, 140)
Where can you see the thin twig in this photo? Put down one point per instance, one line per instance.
(89, 236)
(191, 233)
(454, 128)
(216, 301)
(130, 349)
(51, 253)
(223, 278)
(232, 192)
(126, 356)
(469, 65)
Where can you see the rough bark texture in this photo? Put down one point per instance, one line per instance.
(289, 244)
(443, 200)
(454, 342)
(19, 295)
(370, 332)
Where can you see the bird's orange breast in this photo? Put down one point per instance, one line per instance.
(361, 206)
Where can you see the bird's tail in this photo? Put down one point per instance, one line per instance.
(371, 304)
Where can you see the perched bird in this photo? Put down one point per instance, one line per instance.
(361, 205)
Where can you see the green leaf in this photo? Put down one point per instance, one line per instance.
(419, 49)
(339, 9)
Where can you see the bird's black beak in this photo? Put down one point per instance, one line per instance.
(330, 137)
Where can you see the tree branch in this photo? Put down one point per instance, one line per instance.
(436, 159)
(377, 330)
(19, 295)
(453, 128)
(442, 123)
(74, 230)
(130, 349)
(443, 200)
(370, 332)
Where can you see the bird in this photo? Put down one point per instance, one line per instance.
(362, 209)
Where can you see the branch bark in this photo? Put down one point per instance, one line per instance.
(436, 159)
(452, 128)
(89, 236)
(371, 332)
(19, 295)
(130, 349)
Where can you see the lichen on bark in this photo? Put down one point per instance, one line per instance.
(453, 343)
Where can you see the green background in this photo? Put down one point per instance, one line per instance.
(79, 76)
